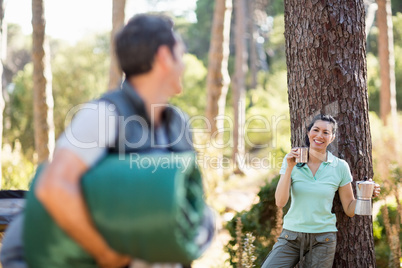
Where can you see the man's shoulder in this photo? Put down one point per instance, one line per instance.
(111, 96)
(175, 112)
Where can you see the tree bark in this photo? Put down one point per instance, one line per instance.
(387, 64)
(218, 79)
(42, 85)
(115, 73)
(239, 90)
(326, 60)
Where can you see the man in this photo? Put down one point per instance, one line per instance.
(133, 119)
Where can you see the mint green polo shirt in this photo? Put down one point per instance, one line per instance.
(312, 196)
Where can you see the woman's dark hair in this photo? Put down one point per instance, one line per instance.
(322, 117)
(137, 43)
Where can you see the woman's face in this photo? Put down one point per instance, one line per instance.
(321, 135)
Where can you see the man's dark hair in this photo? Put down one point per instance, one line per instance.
(137, 43)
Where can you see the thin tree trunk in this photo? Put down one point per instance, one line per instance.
(371, 10)
(239, 90)
(398, 205)
(253, 44)
(326, 60)
(218, 76)
(395, 247)
(115, 73)
(387, 64)
(3, 36)
(42, 85)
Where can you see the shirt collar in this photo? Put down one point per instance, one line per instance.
(330, 158)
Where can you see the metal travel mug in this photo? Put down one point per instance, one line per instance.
(303, 155)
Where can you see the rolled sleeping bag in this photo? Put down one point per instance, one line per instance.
(146, 206)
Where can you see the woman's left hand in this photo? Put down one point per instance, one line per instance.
(377, 190)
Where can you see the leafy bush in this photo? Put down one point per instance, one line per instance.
(193, 98)
(259, 221)
(17, 170)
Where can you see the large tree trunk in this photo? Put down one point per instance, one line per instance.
(218, 77)
(326, 60)
(2, 104)
(387, 64)
(42, 85)
(115, 73)
(239, 90)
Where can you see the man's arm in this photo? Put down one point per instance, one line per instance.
(59, 190)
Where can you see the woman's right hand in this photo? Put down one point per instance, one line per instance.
(291, 157)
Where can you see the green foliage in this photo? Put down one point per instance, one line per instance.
(397, 29)
(268, 124)
(193, 98)
(18, 51)
(198, 36)
(396, 6)
(18, 115)
(275, 45)
(382, 249)
(80, 73)
(398, 74)
(258, 221)
(372, 41)
(373, 82)
(17, 170)
(373, 66)
(275, 7)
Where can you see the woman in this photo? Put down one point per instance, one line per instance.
(309, 227)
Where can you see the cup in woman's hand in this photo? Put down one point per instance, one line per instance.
(303, 155)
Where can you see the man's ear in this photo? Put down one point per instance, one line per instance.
(164, 56)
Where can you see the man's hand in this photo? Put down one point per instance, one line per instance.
(59, 185)
(112, 259)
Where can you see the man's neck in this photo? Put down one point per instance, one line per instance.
(150, 91)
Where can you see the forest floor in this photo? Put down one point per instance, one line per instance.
(239, 194)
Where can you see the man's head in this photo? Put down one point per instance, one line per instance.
(139, 41)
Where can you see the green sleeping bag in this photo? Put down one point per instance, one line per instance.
(149, 207)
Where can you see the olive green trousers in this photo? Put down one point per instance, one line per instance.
(312, 250)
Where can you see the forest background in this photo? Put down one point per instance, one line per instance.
(80, 72)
